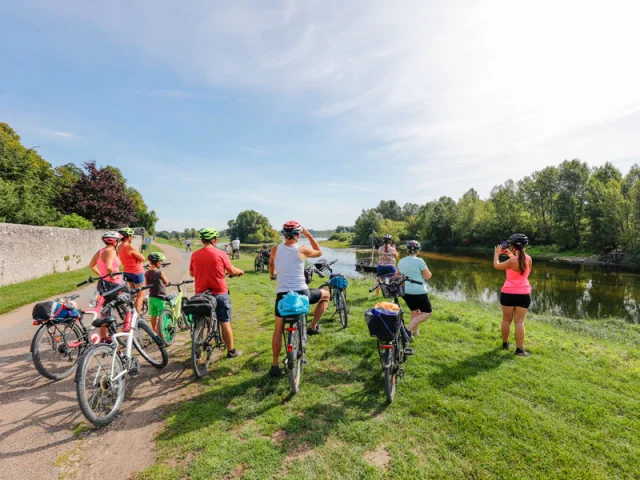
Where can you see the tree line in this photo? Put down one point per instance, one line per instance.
(33, 192)
(570, 205)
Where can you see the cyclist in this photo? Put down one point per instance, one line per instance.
(158, 291)
(265, 251)
(387, 255)
(187, 244)
(105, 260)
(287, 261)
(416, 296)
(235, 245)
(208, 266)
(515, 296)
(132, 264)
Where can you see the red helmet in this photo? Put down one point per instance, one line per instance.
(291, 228)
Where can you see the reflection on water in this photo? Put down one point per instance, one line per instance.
(574, 291)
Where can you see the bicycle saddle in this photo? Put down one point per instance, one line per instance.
(104, 321)
(291, 318)
(333, 275)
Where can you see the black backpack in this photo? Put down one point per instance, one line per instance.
(200, 305)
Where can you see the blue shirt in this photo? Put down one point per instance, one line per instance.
(413, 267)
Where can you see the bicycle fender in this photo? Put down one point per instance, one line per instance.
(388, 357)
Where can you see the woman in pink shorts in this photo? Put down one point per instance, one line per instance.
(515, 296)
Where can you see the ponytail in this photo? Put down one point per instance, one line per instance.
(386, 247)
(522, 261)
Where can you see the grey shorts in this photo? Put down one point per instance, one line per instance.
(223, 307)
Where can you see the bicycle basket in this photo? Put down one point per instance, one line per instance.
(200, 305)
(382, 323)
(392, 290)
(338, 280)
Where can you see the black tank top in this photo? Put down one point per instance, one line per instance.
(158, 289)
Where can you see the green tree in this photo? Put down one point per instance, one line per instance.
(510, 214)
(472, 219)
(605, 208)
(390, 210)
(368, 222)
(74, 221)
(440, 221)
(410, 210)
(570, 204)
(252, 227)
(539, 193)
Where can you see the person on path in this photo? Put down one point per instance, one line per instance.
(235, 245)
(287, 266)
(187, 244)
(132, 265)
(416, 296)
(208, 267)
(105, 262)
(515, 296)
(158, 291)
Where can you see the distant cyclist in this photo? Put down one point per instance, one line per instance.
(265, 252)
(158, 291)
(416, 296)
(387, 255)
(187, 245)
(235, 245)
(208, 267)
(132, 264)
(515, 296)
(287, 265)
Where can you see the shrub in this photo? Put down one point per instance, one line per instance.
(74, 221)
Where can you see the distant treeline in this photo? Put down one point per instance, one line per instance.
(571, 206)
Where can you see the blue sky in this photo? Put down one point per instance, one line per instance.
(316, 110)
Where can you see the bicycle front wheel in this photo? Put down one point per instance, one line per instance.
(168, 327)
(343, 311)
(201, 346)
(56, 348)
(295, 359)
(390, 375)
(150, 345)
(100, 396)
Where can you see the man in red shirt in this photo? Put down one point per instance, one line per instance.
(208, 267)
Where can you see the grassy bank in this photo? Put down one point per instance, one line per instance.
(465, 409)
(335, 244)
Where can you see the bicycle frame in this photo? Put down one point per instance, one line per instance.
(133, 318)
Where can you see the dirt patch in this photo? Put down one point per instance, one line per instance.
(280, 436)
(301, 452)
(379, 458)
(237, 472)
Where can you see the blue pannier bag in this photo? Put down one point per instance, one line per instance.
(382, 323)
(338, 281)
(293, 304)
(52, 311)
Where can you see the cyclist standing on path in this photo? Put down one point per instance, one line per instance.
(132, 265)
(187, 244)
(105, 260)
(287, 261)
(235, 245)
(208, 267)
(416, 296)
(158, 291)
(515, 296)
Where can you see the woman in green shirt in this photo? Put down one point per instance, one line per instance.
(416, 296)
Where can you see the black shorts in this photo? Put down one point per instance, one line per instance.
(314, 297)
(418, 302)
(521, 300)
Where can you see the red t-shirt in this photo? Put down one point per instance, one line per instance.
(208, 266)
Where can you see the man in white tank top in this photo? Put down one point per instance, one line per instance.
(287, 261)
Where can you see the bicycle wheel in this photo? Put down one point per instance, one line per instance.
(150, 345)
(262, 267)
(342, 309)
(56, 348)
(145, 307)
(390, 374)
(99, 396)
(201, 346)
(256, 265)
(168, 327)
(295, 359)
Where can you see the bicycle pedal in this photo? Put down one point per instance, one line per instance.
(304, 361)
(401, 372)
(408, 351)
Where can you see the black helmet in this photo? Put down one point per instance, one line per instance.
(264, 245)
(387, 238)
(413, 246)
(518, 240)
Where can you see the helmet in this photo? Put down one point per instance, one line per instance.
(156, 257)
(111, 238)
(208, 234)
(291, 229)
(126, 232)
(387, 238)
(265, 246)
(518, 240)
(413, 246)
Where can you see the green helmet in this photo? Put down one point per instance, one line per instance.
(156, 257)
(208, 234)
(126, 232)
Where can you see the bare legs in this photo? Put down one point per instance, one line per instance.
(276, 342)
(417, 317)
(321, 307)
(511, 314)
(227, 334)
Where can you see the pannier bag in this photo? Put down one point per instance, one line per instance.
(392, 290)
(200, 305)
(382, 323)
(293, 304)
(53, 311)
(338, 281)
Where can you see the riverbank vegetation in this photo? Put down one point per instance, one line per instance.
(465, 409)
(33, 192)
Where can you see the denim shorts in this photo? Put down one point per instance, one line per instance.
(223, 307)
(385, 271)
(135, 278)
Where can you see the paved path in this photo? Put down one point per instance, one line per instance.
(38, 416)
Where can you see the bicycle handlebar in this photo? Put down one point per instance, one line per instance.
(179, 284)
(399, 280)
(95, 279)
(162, 265)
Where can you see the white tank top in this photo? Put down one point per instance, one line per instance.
(290, 269)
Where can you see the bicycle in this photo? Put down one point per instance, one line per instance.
(337, 290)
(172, 317)
(100, 377)
(261, 262)
(391, 334)
(296, 340)
(207, 334)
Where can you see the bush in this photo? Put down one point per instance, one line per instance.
(74, 221)
(342, 237)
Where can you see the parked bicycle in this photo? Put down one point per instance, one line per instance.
(337, 284)
(295, 337)
(392, 337)
(207, 334)
(173, 318)
(100, 377)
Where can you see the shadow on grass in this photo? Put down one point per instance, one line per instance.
(468, 367)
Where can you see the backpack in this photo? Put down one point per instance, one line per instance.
(338, 281)
(200, 305)
(382, 323)
(53, 311)
(293, 304)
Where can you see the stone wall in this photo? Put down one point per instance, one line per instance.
(28, 252)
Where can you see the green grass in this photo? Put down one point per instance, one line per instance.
(465, 409)
(335, 243)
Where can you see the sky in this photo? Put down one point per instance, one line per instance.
(315, 110)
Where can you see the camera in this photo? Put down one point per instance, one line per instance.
(504, 244)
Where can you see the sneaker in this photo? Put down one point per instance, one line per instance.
(505, 345)
(521, 353)
(234, 353)
(276, 371)
(313, 331)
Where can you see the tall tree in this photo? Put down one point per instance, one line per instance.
(368, 222)
(252, 227)
(539, 194)
(570, 205)
(390, 210)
